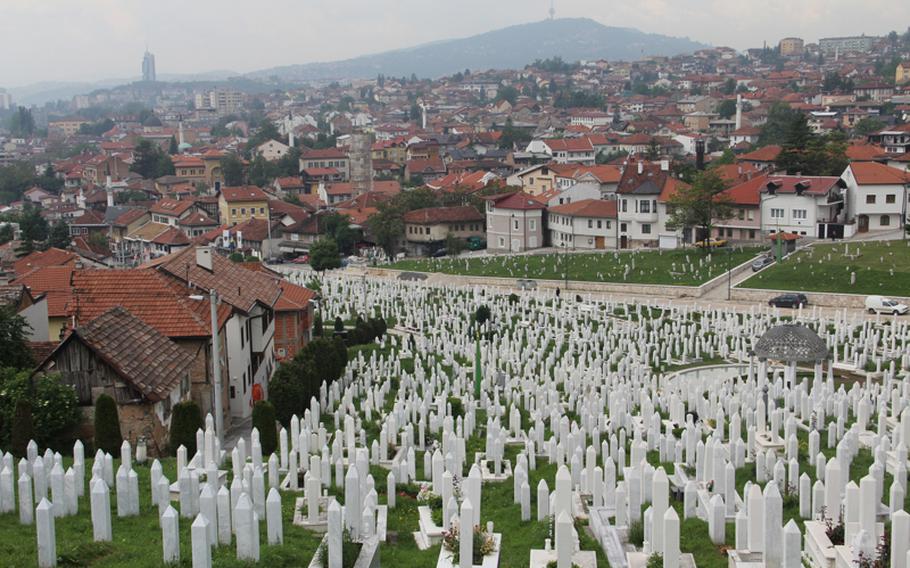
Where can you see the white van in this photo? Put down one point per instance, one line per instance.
(883, 305)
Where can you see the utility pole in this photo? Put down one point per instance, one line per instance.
(729, 274)
(216, 365)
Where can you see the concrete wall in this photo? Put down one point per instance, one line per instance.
(824, 299)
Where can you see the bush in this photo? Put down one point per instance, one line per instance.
(55, 409)
(186, 419)
(513, 298)
(264, 421)
(637, 533)
(23, 430)
(317, 325)
(482, 315)
(107, 425)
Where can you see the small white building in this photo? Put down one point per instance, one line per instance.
(801, 205)
(584, 224)
(272, 150)
(876, 196)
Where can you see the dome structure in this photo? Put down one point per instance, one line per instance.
(791, 343)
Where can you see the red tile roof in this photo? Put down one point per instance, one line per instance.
(873, 173)
(435, 215)
(763, 154)
(516, 200)
(587, 208)
(172, 207)
(37, 259)
(243, 193)
(747, 192)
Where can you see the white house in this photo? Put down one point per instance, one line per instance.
(272, 150)
(876, 196)
(642, 194)
(801, 205)
(514, 222)
(584, 224)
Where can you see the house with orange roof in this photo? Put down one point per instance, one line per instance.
(744, 197)
(808, 206)
(515, 222)
(54, 284)
(427, 229)
(241, 203)
(583, 224)
(763, 158)
(876, 196)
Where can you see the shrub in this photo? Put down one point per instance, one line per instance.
(317, 325)
(513, 298)
(637, 533)
(107, 425)
(55, 409)
(264, 421)
(339, 325)
(482, 315)
(656, 560)
(186, 419)
(23, 429)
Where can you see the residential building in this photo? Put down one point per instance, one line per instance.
(326, 158)
(241, 203)
(584, 224)
(894, 139)
(792, 46)
(840, 46)
(643, 194)
(876, 196)
(744, 224)
(33, 309)
(171, 211)
(426, 230)
(535, 180)
(190, 168)
(804, 206)
(902, 73)
(565, 150)
(144, 372)
(514, 222)
(272, 150)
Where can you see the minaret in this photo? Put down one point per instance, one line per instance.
(739, 111)
(289, 126)
(423, 115)
(180, 135)
(109, 191)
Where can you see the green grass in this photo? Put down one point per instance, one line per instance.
(688, 267)
(880, 267)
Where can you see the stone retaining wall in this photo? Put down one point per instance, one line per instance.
(824, 299)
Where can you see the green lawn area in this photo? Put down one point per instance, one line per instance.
(880, 267)
(682, 267)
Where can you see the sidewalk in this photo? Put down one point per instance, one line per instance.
(239, 429)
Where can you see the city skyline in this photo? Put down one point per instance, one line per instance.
(311, 30)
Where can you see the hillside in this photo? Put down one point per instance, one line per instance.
(514, 47)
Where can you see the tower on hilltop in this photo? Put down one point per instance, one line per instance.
(148, 66)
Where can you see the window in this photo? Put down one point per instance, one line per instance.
(870, 200)
(646, 229)
(885, 220)
(751, 233)
(514, 224)
(799, 213)
(502, 242)
(624, 206)
(590, 223)
(600, 224)
(644, 206)
(750, 215)
(741, 214)
(243, 210)
(777, 213)
(233, 211)
(532, 225)
(890, 198)
(623, 228)
(262, 210)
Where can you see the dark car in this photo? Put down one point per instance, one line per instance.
(439, 253)
(789, 301)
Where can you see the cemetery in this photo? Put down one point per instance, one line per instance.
(680, 267)
(538, 431)
(875, 267)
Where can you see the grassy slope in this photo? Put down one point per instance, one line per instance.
(825, 268)
(650, 267)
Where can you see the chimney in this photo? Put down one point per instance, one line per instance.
(699, 155)
(204, 258)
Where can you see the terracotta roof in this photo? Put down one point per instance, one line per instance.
(149, 295)
(243, 193)
(129, 216)
(434, 215)
(240, 288)
(53, 281)
(172, 207)
(747, 192)
(49, 257)
(11, 294)
(433, 165)
(569, 145)
(286, 182)
(323, 153)
(293, 298)
(515, 200)
(172, 237)
(148, 231)
(809, 185)
(138, 353)
(587, 208)
(872, 173)
(763, 154)
(197, 219)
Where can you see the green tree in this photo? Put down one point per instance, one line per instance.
(172, 148)
(264, 421)
(868, 125)
(232, 170)
(513, 137)
(338, 227)
(32, 224)
(726, 108)
(265, 131)
(482, 315)
(6, 233)
(700, 204)
(22, 124)
(59, 235)
(262, 172)
(185, 421)
(729, 86)
(14, 351)
(324, 255)
(387, 224)
(779, 124)
(107, 425)
(150, 161)
(507, 93)
(23, 428)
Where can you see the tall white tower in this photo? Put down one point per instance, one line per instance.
(552, 9)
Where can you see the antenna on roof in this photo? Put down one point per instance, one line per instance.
(552, 10)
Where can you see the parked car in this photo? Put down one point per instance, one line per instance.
(476, 243)
(523, 284)
(789, 301)
(711, 243)
(761, 262)
(439, 253)
(883, 305)
(302, 259)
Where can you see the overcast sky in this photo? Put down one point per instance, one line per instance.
(76, 40)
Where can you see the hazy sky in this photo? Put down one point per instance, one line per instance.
(72, 40)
